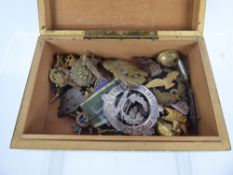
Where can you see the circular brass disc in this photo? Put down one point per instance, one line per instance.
(59, 76)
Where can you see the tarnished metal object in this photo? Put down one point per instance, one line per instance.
(77, 129)
(167, 82)
(70, 60)
(107, 131)
(88, 91)
(115, 104)
(182, 69)
(168, 58)
(178, 120)
(81, 75)
(150, 66)
(192, 107)
(59, 61)
(82, 119)
(181, 106)
(160, 108)
(59, 76)
(93, 64)
(59, 92)
(120, 34)
(134, 116)
(125, 71)
(70, 101)
(154, 70)
(124, 106)
(181, 89)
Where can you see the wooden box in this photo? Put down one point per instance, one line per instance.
(119, 29)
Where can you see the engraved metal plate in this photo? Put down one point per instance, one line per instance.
(115, 109)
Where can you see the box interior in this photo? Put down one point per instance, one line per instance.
(120, 15)
(42, 116)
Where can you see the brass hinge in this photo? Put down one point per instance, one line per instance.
(120, 35)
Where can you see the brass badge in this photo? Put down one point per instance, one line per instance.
(81, 75)
(125, 71)
(59, 76)
(164, 128)
(70, 60)
(167, 82)
(59, 61)
(165, 98)
(178, 120)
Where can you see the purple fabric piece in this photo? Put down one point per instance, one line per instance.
(101, 85)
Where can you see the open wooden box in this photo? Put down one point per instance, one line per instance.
(119, 29)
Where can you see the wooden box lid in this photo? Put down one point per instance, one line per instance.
(73, 17)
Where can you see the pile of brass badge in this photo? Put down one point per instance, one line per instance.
(146, 96)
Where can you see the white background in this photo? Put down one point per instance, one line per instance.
(19, 31)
